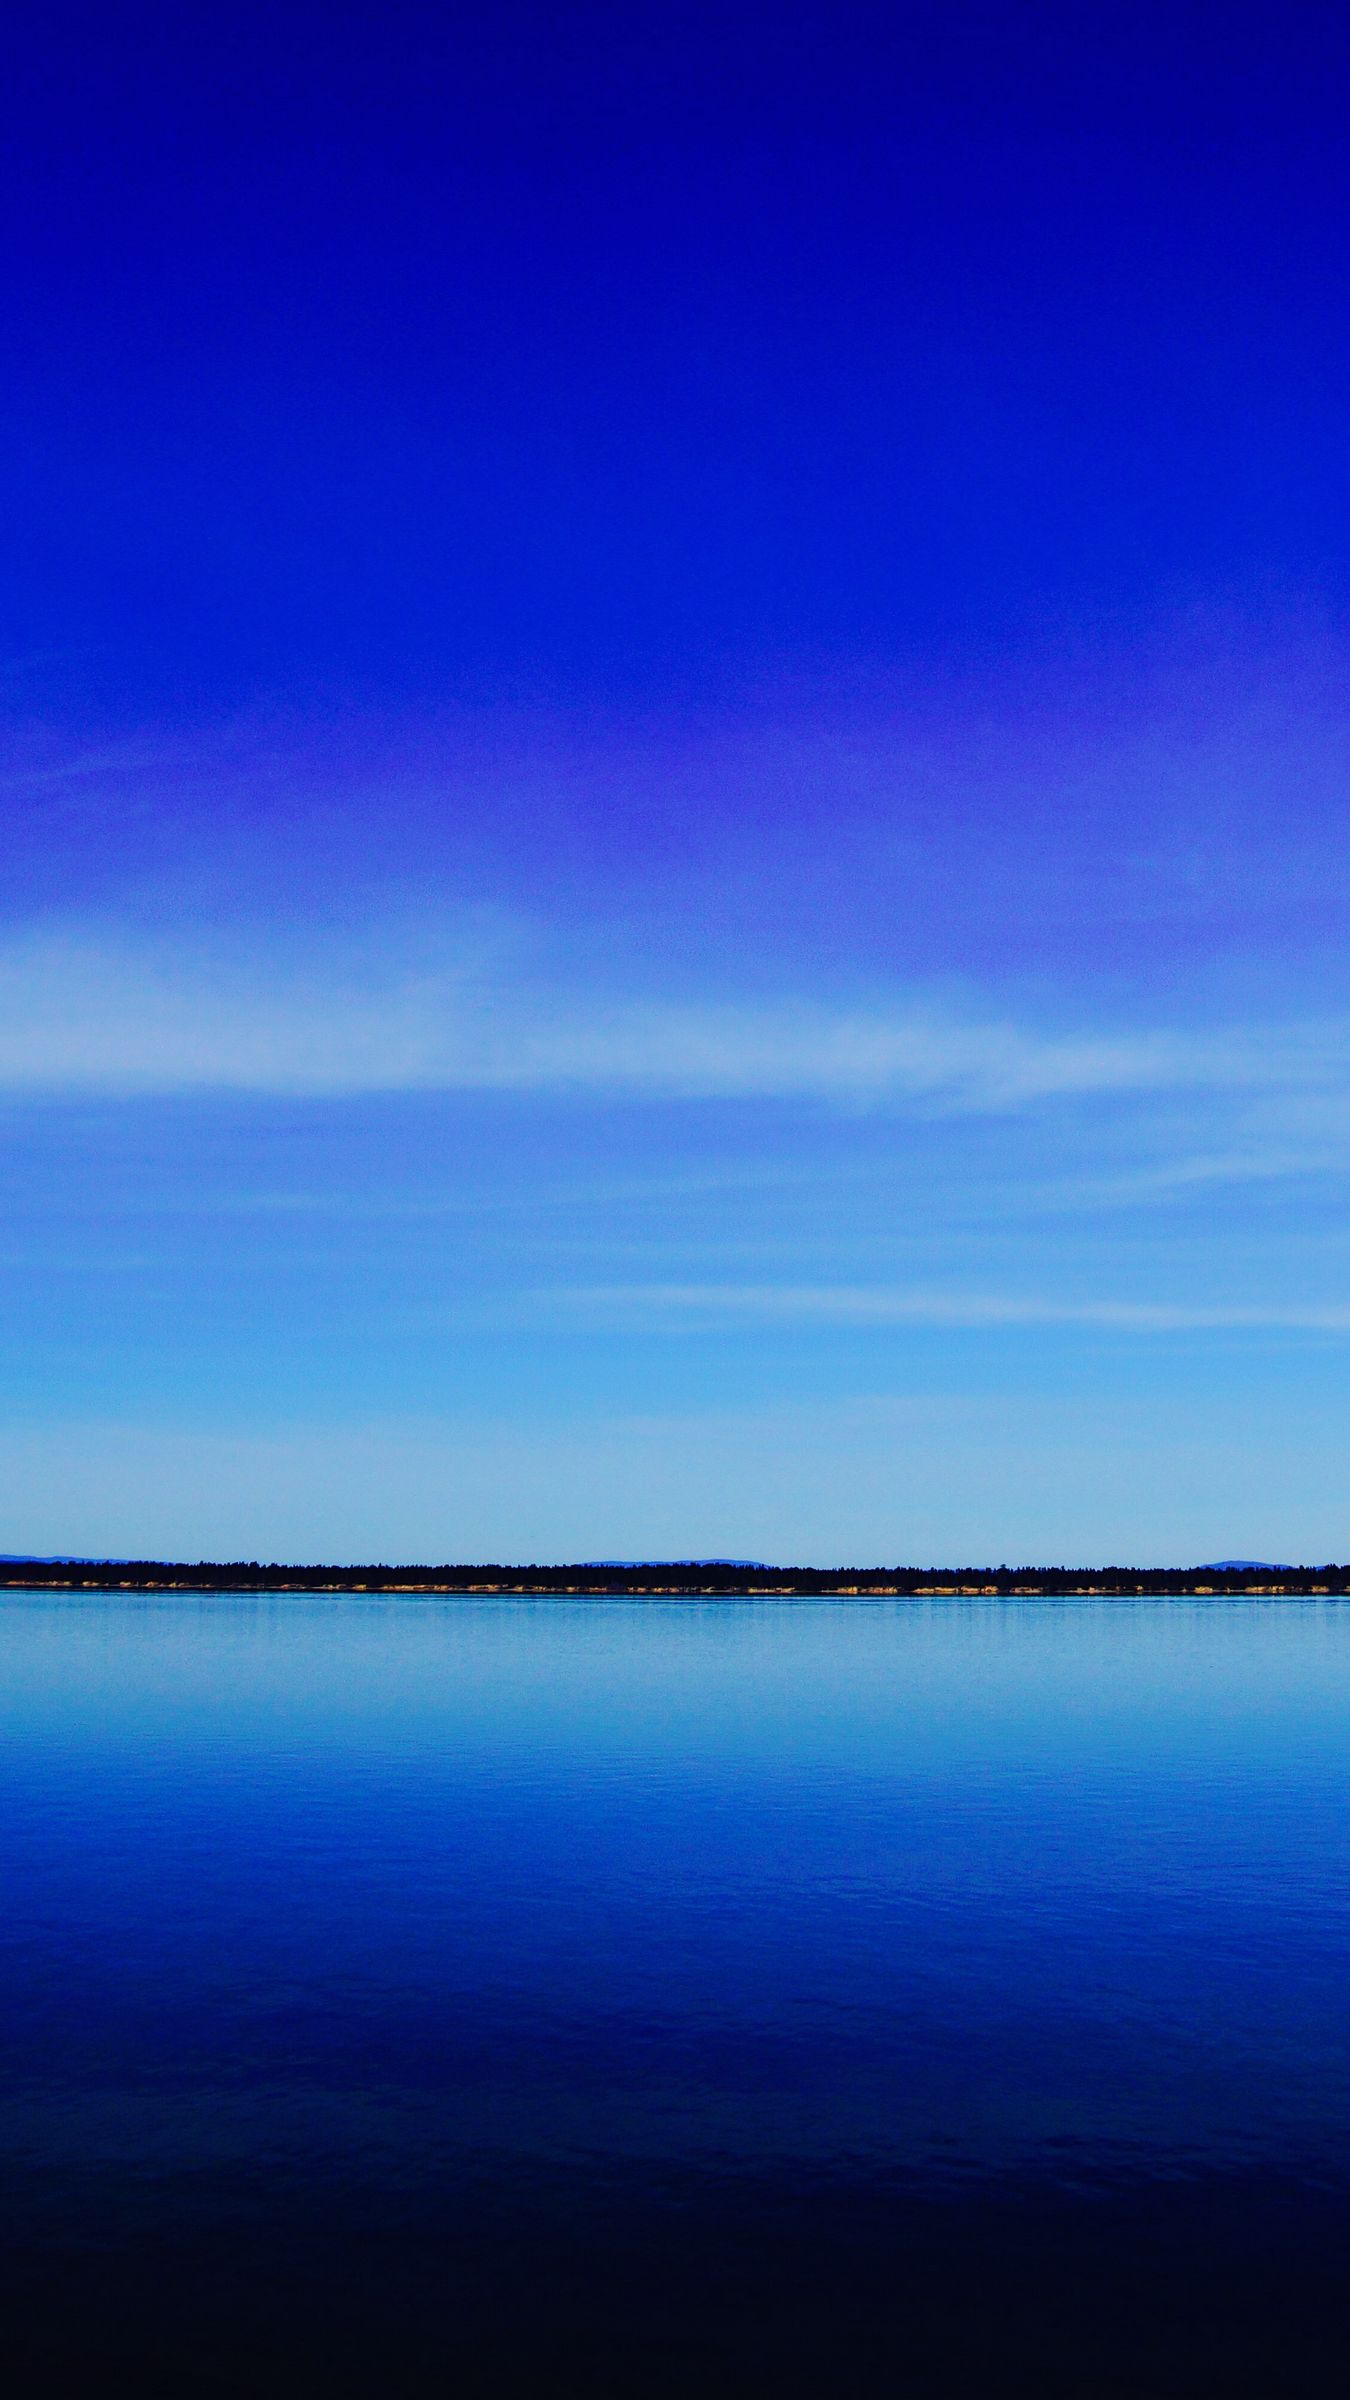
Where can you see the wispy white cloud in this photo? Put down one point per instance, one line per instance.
(1166, 1179)
(91, 1012)
(881, 1305)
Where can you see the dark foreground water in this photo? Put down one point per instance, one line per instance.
(459, 1997)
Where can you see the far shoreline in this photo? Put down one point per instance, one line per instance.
(673, 1579)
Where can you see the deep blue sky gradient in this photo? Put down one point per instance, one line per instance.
(674, 781)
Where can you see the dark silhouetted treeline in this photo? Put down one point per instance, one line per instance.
(675, 1577)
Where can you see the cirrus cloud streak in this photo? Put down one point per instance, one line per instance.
(881, 1305)
(81, 1011)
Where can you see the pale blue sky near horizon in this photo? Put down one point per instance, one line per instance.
(674, 786)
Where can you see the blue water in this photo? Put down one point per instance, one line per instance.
(470, 1996)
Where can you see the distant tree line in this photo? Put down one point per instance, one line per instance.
(675, 1577)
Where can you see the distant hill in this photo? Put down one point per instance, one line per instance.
(1243, 1566)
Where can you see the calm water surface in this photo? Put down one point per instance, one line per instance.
(467, 1996)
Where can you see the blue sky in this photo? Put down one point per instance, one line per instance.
(674, 784)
